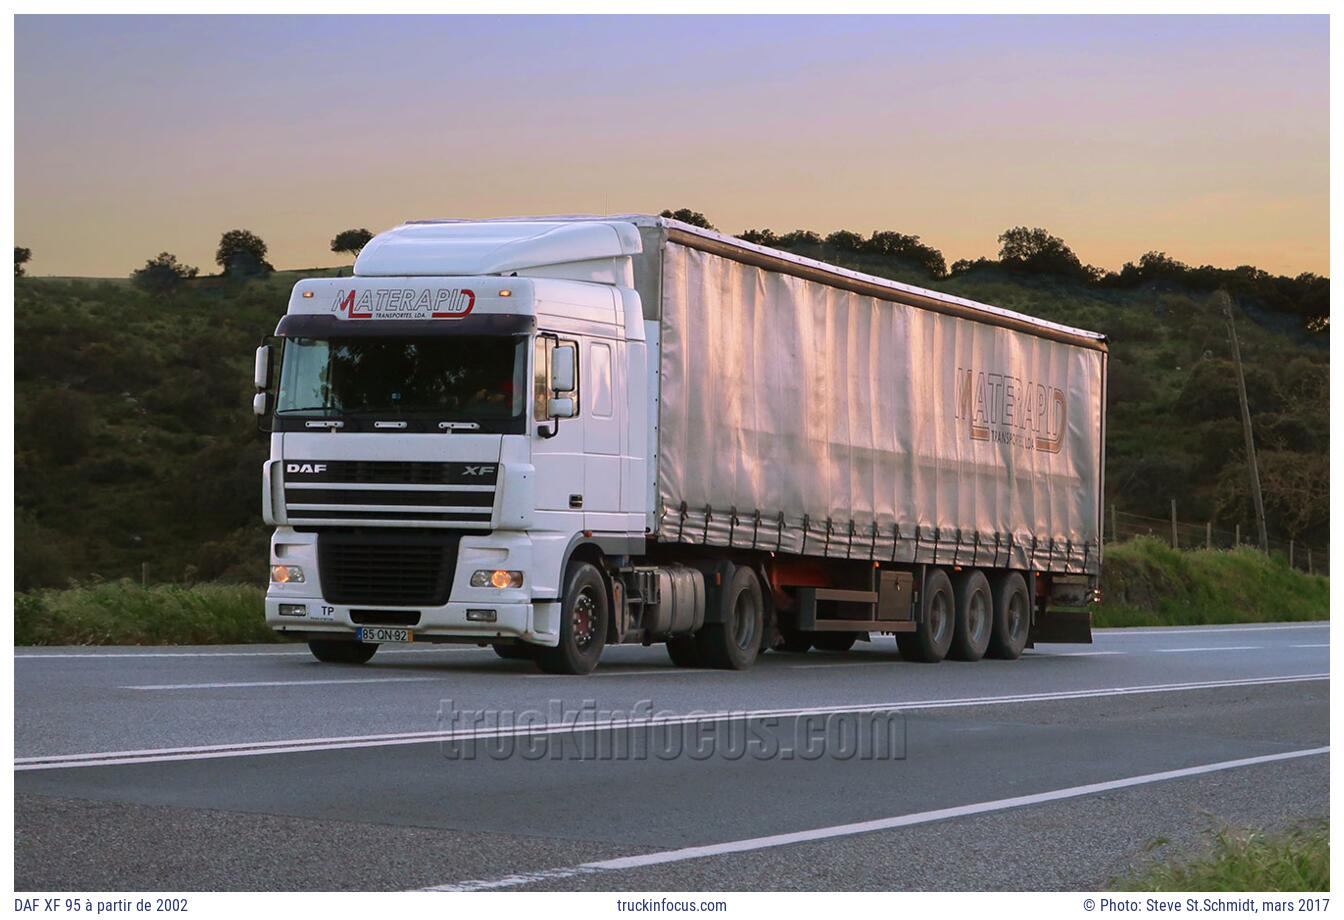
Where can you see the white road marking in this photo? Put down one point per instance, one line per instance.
(300, 654)
(640, 673)
(1209, 648)
(1313, 645)
(225, 685)
(867, 827)
(842, 664)
(1035, 654)
(304, 745)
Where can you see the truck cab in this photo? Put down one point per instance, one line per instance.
(451, 429)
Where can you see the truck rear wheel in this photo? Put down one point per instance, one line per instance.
(975, 617)
(584, 613)
(1012, 616)
(835, 641)
(517, 652)
(341, 651)
(933, 634)
(734, 641)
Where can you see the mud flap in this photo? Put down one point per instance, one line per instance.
(1062, 626)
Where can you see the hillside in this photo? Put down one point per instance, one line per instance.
(135, 445)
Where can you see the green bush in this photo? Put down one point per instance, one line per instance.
(1144, 582)
(124, 613)
(1296, 860)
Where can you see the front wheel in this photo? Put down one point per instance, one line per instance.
(340, 651)
(584, 614)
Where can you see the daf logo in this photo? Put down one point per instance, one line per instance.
(479, 471)
(305, 467)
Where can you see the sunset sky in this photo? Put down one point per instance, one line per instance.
(1206, 137)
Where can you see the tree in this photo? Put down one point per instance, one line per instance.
(907, 248)
(687, 216)
(351, 241)
(22, 254)
(759, 237)
(162, 275)
(1035, 250)
(242, 252)
(845, 241)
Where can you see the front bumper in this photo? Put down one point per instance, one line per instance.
(517, 615)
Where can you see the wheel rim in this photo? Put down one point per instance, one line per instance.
(977, 617)
(743, 617)
(938, 618)
(1017, 616)
(583, 619)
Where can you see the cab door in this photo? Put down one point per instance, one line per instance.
(601, 436)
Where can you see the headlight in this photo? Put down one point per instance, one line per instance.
(485, 578)
(286, 574)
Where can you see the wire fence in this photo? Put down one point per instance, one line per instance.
(1121, 526)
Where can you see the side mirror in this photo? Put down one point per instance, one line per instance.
(562, 371)
(259, 405)
(261, 370)
(560, 407)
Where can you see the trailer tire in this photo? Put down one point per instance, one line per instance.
(835, 641)
(584, 613)
(515, 652)
(734, 642)
(933, 633)
(341, 651)
(1012, 616)
(685, 652)
(975, 617)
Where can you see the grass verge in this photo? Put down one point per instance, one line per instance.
(1145, 582)
(1297, 859)
(125, 613)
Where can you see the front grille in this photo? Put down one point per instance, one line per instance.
(396, 569)
(448, 494)
(385, 617)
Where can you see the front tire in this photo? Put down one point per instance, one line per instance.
(584, 615)
(733, 643)
(340, 651)
(933, 636)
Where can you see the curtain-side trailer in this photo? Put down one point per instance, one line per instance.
(553, 434)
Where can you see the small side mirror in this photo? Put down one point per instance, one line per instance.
(560, 407)
(261, 370)
(259, 404)
(562, 371)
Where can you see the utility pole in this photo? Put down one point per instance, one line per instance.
(1246, 425)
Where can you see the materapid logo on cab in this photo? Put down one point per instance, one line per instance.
(404, 303)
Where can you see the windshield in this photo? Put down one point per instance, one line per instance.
(450, 378)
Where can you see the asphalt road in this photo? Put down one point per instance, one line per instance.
(445, 767)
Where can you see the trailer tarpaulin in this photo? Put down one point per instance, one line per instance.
(799, 417)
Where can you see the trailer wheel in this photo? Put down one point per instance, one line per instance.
(975, 617)
(933, 634)
(734, 642)
(835, 641)
(685, 652)
(518, 652)
(1012, 616)
(341, 651)
(583, 623)
(796, 641)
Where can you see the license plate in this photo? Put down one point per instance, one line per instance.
(383, 634)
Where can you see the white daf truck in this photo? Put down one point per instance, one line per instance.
(554, 434)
